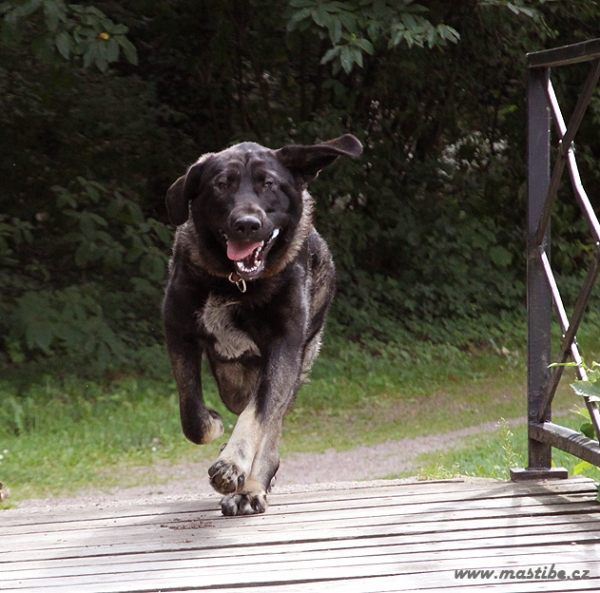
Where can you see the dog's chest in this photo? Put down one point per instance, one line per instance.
(217, 318)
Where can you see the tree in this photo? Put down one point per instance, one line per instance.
(427, 228)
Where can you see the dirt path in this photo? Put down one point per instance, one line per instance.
(190, 481)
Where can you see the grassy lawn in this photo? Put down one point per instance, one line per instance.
(59, 436)
(492, 456)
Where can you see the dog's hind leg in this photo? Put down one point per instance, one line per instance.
(247, 465)
(252, 498)
(250, 459)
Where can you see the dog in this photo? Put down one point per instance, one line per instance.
(250, 284)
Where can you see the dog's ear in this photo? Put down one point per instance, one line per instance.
(181, 193)
(307, 161)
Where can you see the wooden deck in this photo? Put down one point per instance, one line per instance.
(375, 538)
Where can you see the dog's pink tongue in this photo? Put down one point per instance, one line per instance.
(236, 252)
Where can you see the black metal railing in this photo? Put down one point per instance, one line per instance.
(542, 289)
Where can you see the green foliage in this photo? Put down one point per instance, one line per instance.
(72, 30)
(427, 228)
(356, 28)
(587, 387)
(63, 304)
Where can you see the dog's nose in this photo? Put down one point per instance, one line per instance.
(246, 226)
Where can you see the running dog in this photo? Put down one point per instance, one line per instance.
(250, 284)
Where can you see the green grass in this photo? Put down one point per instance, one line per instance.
(493, 455)
(60, 435)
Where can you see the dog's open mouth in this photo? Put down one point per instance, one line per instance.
(250, 258)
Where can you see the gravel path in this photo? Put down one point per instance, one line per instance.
(301, 470)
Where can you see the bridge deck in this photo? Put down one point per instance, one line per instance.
(384, 536)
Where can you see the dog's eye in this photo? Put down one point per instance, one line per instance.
(221, 185)
(269, 184)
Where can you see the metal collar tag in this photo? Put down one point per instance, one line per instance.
(239, 282)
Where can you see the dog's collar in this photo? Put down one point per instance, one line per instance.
(238, 281)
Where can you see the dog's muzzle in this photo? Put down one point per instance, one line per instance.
(249, 258)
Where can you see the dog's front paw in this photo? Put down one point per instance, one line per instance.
(226, 477)
(244, 503)
(214, 427)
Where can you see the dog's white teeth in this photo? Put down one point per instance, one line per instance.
(244, 268)
(253, 262)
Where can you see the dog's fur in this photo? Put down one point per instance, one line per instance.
(250, 284)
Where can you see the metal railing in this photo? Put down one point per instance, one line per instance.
(542, 289)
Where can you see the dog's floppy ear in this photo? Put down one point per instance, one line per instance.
(307, 161)
(181, 193)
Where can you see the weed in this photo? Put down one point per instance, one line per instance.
(438, 471)
(511, 457)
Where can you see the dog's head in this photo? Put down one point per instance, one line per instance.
(249, 206)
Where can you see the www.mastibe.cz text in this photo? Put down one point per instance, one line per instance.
(540, 573)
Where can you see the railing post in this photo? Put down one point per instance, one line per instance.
(539, 295)
(542, 289)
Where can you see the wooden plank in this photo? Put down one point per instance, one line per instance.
(462, 542)
(415, 538)
(438, 573)
(251, 562)
(321, 511)
(214, 527)
(296, 498)
(394, 584)
(88, 547)
(281, 507)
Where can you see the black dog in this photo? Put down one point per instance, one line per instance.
(250, 284)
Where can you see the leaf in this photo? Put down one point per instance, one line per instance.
(63, 44)
(331, 54)
(301, 15)
(357, 56)
(365, 45)
(587, 389)
(448, 33)
(581, 467)
(346, 59)
(112, 50)
(91, 55)
(136, 212)
(39, 335)
(144, 287)
(320, 16)
(349, 21)
(587, 428)
(27, 9)
(568, 365)
(129, 50)
(119, 29)
(302, 3)
(336, 34)
(54, 14)
(410, 22)
(500, 256)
